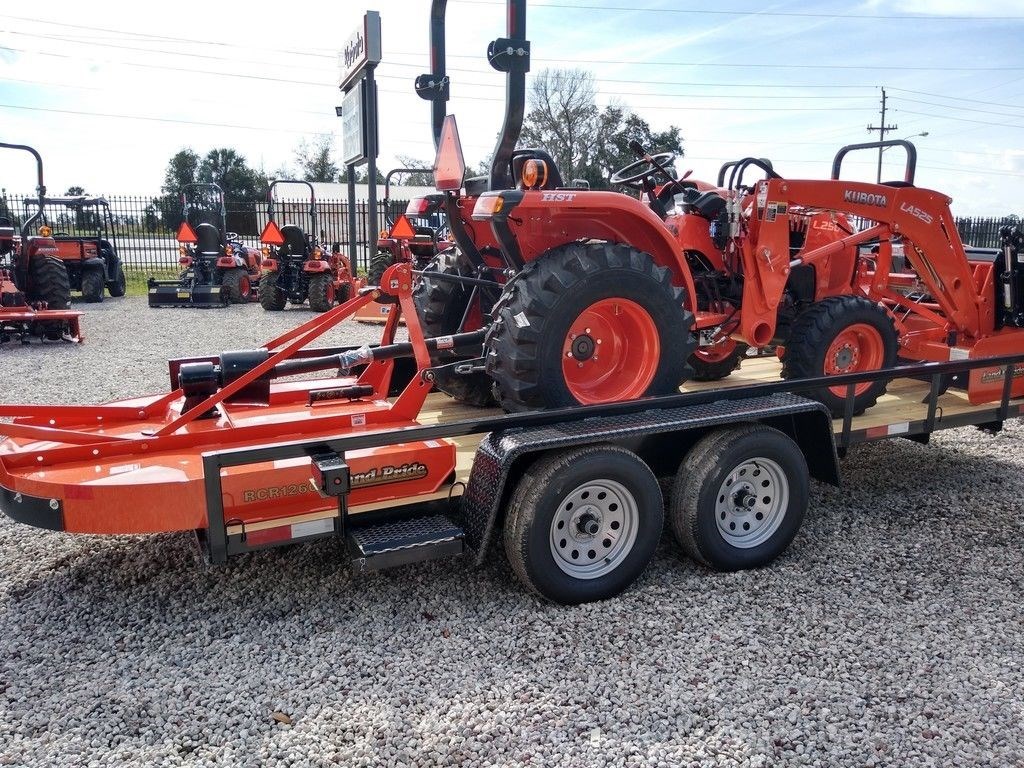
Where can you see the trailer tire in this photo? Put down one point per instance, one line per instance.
(321, 291)
(717, 364)
(841, 334)
(548, 537)
(441, 305)
(540, 349)
(118, 287)
(375, 273)
(49, 281)
(236, 286)
(272, 298)
(731, 530)
(92, 285)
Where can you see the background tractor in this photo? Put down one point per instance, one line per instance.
(34, 288)
(88, 250)
(217, 269)
(295, 265)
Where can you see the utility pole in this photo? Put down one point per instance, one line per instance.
(882, 130)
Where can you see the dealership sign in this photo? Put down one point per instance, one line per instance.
(361, 50)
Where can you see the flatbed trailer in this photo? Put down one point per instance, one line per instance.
(498, 456)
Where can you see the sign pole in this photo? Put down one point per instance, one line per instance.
(371, 157)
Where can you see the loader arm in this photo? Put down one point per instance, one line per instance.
(920, 216)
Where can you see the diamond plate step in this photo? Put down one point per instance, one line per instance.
(399, 542)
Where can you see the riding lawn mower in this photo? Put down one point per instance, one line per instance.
(217, 269)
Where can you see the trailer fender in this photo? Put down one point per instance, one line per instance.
(502, 457)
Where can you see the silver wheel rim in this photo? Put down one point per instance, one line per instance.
(752, 503)
(594, 529)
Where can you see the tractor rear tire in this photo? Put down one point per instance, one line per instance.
(118, 287)
(92, 285)
(589, 323)
(719, 362)
(48, 278)
(272, 298)
(441, 305)
(841, 334)
(380, 262)
(236, 285)
(321, 291)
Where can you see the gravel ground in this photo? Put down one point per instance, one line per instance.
(889, 634)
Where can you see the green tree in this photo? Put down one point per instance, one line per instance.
(564, 119)
(424, 178)
(244, 187)
(618, 127)
(75, 191)
(315, 160)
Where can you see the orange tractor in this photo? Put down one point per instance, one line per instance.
(296, 267)
(612, 296)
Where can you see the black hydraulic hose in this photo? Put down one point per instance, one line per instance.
(348, 360)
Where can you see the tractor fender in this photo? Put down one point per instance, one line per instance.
(552, 219)
(316, 266)
(270, 265)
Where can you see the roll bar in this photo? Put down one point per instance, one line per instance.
(312, 200)
(911, 167)
(511, 55)
(40, 184)
(433, 86)
(186, 189)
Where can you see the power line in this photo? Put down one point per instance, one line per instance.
(703, 12)
(962, 119)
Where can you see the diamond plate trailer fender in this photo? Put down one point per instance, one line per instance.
(502, 456)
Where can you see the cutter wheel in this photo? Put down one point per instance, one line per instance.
(135, 466)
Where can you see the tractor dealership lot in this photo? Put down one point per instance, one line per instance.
(888, 634)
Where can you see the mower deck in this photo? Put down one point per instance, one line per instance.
(23, 323)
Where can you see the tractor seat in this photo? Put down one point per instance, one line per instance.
(207, 239)
(707, 204)
(294, 239)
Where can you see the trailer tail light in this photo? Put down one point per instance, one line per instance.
(271, 234)
(186, 234)
(449, 165)
(535, 174)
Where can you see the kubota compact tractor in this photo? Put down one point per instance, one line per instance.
(295, 265)
(34, 289)
(613, 295)
(217, 269)
(90, 257)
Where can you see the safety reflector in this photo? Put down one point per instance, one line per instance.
(403, 229)
(449, 165)
(186, 234)
(271, 234)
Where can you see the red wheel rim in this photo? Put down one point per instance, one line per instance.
(858, 347)
(611, 352)
(717, 353)
(244, 287)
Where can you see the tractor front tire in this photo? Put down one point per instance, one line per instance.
(49, 282)
(378, 264)
(441, 305)
(272, 298)
(236, 285)
(841, 334)
(717, 362)
(92, 285)
(321, 291)
(118, 287)
(589, 323)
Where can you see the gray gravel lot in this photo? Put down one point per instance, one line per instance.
(889, 634)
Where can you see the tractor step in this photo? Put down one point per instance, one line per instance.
(400, 542)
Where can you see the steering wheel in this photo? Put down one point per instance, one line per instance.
(634, 173)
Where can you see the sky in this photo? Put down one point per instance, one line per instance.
(108, 97)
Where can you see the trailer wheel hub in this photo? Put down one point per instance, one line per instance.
(594, 528)
(752, 502)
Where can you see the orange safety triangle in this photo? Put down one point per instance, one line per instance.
(271, 234)
(403, 229)
(186, 234)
